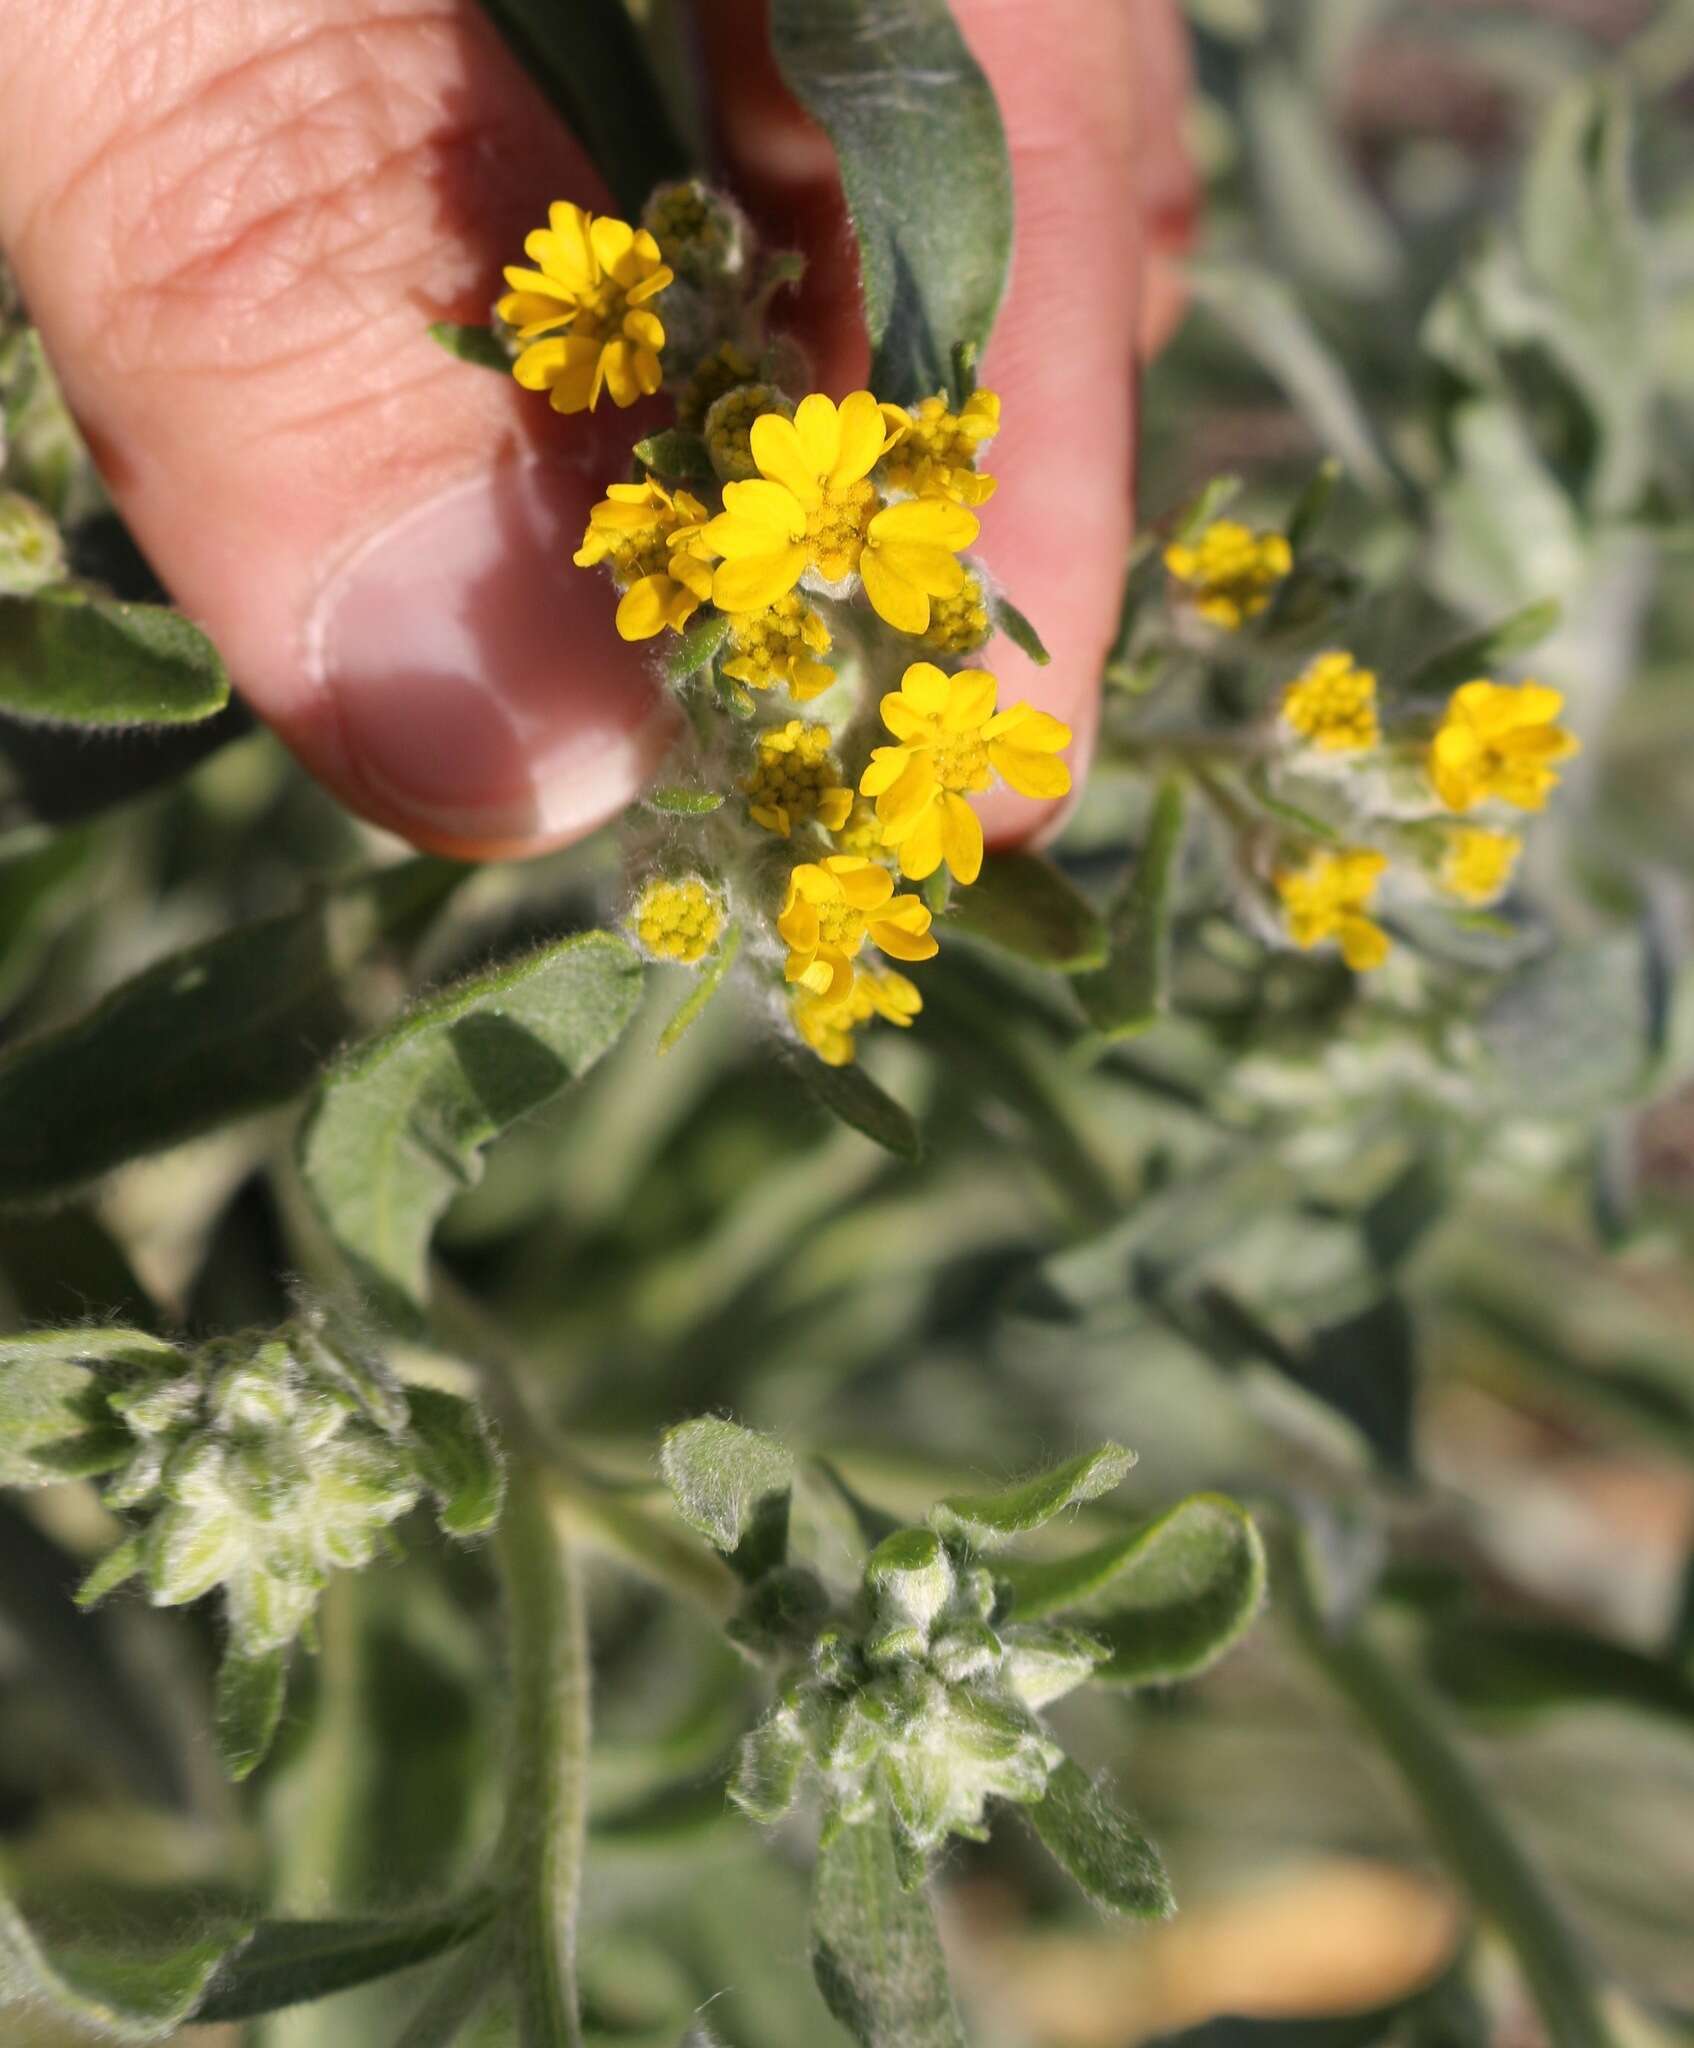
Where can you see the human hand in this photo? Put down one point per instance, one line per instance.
(234, 224)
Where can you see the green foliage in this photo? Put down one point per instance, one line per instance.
(479, 345)
(1024, 905)
(875, 1950)
(1129, 992)
(72, 657)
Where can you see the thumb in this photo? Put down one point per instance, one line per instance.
(233, 226)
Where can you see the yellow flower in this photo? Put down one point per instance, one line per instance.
(813, 509)
(1478, 865)
(936, 454)
(1499, 740)
(833, 906)
(648, 540)
(828, 1027)
(861, 833)
(780, 645)
(1333, 704)
(959, 624)
(1328, 898)
(593, 280)
(796, 778)
(951, 742)
(680, 921)
(1232, 570)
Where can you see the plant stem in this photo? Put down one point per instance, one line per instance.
(1464, 1823)
(542, 1841)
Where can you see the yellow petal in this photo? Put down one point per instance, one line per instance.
(961, 838)
(902, 604)
(1030, 774)
(970, 703)
(817, 427)
(641, 609)
(863, 436)
(936, 522)
(920, 848)
(757, 517)
(612, 241)
(752, 582)
(902, 944)
(886, 766)
(780, 455)
(929, 569)
(925, 688)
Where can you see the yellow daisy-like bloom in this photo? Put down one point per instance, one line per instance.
(594, 280)
(952, 743)
(795, 779)
(936, 454)
(649, 541)
(1478, 864)
(861, 833)
(833, 906)
(828, 1027)
(679, 921)
(960, 624)
(781, 645)
(1333, 704)
(1499, 740)
(813, 508)
(1328, 899)
(1231, 569)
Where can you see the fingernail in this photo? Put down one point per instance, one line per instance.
(482, 696)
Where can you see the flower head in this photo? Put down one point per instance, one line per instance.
(1333, 705)
(729, 427)
(589, 297)
(680, 921)
(828, 1027)
(649, 540)
(861, 833)
(722, 370)
(833, 906)
(1477, 865)
(813, 510)
(795, 779)
(1231, 569)
(951, 743)
(936, 453)
(699, 232)
(1499, 740)
(1328, 899)
(781, 645)
(960, 624)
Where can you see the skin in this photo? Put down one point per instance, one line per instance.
(233, 224)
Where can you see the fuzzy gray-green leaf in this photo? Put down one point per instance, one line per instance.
(54, 1422)
(456, 1460)
(722, 1475)
(1168, 1599)
(69, 656)
(250, 1694)
(850, 1093)
(1091, 1836)
(990, 1519)
(875, 1951)
(397, 1127)
(291, 1962)
(924, 166)
(1025, 905)
(1128, 994)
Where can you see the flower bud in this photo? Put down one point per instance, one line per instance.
(32, 555)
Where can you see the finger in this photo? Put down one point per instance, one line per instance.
(234, 225)
(1063, 352)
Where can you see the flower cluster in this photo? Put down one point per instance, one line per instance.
(799, 549)
(1231, 571)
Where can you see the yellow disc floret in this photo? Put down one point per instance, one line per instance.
(729, 428)
(1333, 705)
(1328, 899)
(828, 1027)
(588, 298)
(936, 454)
(1499, 740)
(781, 645)
(861, 833)
(795, 779)
(813, 510)
(649, 540)
(1231, 569)
(951, 743)
(1477, 864)
(832, 907)
(678, 920)
(960, 624)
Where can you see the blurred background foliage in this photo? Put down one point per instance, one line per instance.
(1438, 1312)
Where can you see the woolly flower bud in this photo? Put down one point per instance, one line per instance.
(32, 555)
(678, 920)
(701, 234)
(729, 428)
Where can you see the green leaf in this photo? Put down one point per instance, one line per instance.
(1024, 905)
(56, 775)
(120, 1564)
(1088, 1834)
(732, 1485)
(708, 979)
(698, 645)
(1020, 632)
(292, 1962)
(684, 803)
(1210, 502)
(989, 1519)
(588, 59)
(1573, 1032)
(236, 1025)
(1129, 992)
(1311, 506)
(250, 1695)
(1516, 1670)
(54, 1421)
(1479, 655)
(925, 170)
(72, 657)
(479, 345)
(1169, 1599)
(676, 454)
(456, 1460)
(875, 1951)
(397, 1127)
(850, 1093)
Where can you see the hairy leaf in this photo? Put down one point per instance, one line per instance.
(250, 1696)
(676, 454)
(924, 165)
(732, 1485)
(875, 1951)
(1020, 631)
(990, 1519)
(55, 775)
(698, 645)
(456, 1460)
(1521, 1669)
(398, 1126)
(851, 1094)
(291, 1962)
(1169, 1599)
(708, 979)
(1128, 993)
(1091, 1836)
(69, 656)
(1024, 905)
(54, 1422)
(479, 345)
